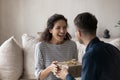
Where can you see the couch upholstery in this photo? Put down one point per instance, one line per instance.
(17, 62)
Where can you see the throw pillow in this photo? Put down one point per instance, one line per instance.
(29, 43)
(81, 50)
(116, 43)
(11, 64)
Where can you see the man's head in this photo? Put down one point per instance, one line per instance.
(86, 25)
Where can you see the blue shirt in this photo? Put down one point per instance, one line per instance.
(100, 62)
(69, 77)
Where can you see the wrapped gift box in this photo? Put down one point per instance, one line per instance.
(74, 67)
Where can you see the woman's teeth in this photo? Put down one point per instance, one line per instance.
(61, 35)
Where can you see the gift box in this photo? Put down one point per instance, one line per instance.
(74, 67)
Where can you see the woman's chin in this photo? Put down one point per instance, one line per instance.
(60, 40)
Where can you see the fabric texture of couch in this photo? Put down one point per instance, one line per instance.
(17, 62)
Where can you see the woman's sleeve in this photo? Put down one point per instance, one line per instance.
(39, 62)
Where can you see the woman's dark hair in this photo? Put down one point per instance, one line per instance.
(46, 35)
(86, 22)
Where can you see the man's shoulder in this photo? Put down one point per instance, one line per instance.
(96, 48)
(101, 48)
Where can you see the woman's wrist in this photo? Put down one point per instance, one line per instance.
(45, 72)
(49, 69)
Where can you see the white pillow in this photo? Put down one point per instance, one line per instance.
(81, 50)
(29, 43)
(11, 60)
(116, 43)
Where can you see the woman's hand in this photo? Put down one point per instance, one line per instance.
(53, 67)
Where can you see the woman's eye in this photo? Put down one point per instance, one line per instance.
(61, 27)
(58, 27)
(65, 27)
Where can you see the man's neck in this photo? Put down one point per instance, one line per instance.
(87, 39)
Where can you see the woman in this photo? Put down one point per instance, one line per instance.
(55, 46)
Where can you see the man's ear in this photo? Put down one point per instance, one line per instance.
(79, 32)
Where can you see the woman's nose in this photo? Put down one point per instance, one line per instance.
(62, 30)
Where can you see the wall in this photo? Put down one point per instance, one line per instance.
(30, 16)
(12, 19)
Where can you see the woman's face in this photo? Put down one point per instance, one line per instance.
(59, 31)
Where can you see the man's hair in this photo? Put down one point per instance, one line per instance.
(86, 22)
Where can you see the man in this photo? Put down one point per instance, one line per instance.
(101, 61)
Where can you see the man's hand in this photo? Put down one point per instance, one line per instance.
(63, 72)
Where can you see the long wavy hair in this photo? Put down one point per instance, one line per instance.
(46, 35)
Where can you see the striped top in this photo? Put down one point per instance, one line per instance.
(45, 53)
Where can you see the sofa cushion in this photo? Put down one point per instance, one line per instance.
(116, 43)
(81, 48)
(11, 60)
(29, 43)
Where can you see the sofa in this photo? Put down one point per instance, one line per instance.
(17, 60)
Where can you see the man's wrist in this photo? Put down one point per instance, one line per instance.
(69, 77)
(66, 75)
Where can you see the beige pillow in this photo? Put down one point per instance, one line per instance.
(116, 43)
(29, 43)
(11, 60)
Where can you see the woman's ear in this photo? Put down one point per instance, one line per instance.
(50, 30)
